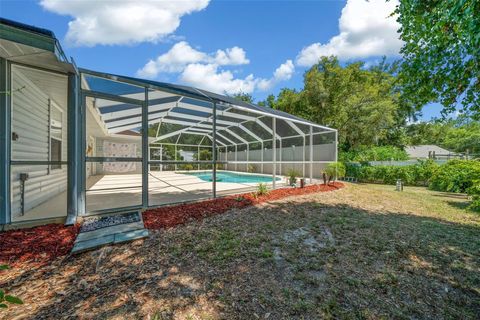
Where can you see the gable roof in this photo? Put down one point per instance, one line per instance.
(422, 151)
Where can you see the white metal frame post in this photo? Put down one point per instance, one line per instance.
(311, 154)
(280, 156)
(248, 155)
(303, 158)
(214, 150)
(261, 157)
(236, 151)
(336, 154)
(274, 155)
(161, 157)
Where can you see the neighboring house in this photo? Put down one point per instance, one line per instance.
(428, 151)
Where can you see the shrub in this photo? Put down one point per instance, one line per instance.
(262, 189)
(251, 168)
(292, 176)
(474, 193)
(334, 170)
(417, 174)
(379, 153)
(456, 176)
(188, 167)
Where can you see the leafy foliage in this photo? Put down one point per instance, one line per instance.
(417, 174)
(261, 189)
(458, 135)
(6, 298)
(242, 96)
(474, 193)
(441, 54)
(292, 175)
(204, 155)
(335, 170)
(376, 153)
(456, 176)
(361, 103)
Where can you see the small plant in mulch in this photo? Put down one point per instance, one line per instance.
(292, 175)
(6, 299)
(261, 189)
(333, 171)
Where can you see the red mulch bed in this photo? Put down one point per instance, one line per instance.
(37, 245)
(171, 216)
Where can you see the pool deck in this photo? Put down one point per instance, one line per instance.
(123, 190)
(112, 191)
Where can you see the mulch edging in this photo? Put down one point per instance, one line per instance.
(37, 245)
(171, 216)
(41, 245)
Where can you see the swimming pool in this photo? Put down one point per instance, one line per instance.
(225, 176)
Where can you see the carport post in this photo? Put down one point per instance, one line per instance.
(214, 150)
(311, 154)
(274, 150)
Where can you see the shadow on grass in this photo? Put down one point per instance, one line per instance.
(463, 205)
(382, 264)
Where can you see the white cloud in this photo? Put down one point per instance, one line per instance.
(207, 71)
(282, 73)
(209, 77)
(121, 21)
(231, 56)
(366, 29)
(182, 54)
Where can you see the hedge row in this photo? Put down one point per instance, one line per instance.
(417, 174)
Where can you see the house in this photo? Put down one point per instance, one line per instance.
(77, 142)
(428, 151)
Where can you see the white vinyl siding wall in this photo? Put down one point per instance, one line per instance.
(30, 109)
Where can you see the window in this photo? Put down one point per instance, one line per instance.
(55, 153)
(56, 119)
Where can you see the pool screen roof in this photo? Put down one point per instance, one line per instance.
(237, 122)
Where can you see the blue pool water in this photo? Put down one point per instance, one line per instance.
(223, 176)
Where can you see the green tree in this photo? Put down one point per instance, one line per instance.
(361, 103)
(245, 97)
(456, 135)
(441, 53)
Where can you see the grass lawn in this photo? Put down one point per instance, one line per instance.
(364, 251)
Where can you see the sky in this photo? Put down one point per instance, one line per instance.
(256, 47)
